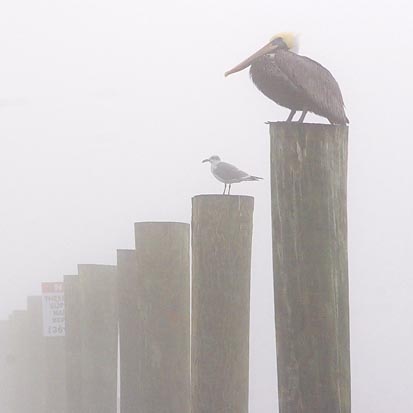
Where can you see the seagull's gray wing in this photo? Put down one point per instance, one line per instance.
(229, 173)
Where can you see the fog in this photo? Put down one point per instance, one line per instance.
(108, 108)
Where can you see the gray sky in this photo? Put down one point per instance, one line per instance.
(108, 107)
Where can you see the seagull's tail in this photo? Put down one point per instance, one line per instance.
(253, 178)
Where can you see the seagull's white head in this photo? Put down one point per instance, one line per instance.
(214, 159)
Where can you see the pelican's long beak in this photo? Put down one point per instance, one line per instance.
(205, 160)
(269, 47)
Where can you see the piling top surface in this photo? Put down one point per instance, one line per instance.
(219, 198)
(16, 314)
(225, 204)
(159, 223)
(33, 300)
(70, 277)
(307, 126)
(120, 253)
(95, 267)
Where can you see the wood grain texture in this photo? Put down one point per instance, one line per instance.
(130, 334)
(73, 343)
(309, 215)
(162, 262)
(221, 269)
(99, 331)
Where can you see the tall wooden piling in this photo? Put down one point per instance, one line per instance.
(130, 334)
(163, 296)
(221, 268)
(73, 343)
(99, 332)
(309, 215)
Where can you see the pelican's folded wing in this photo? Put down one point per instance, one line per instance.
(317, 83)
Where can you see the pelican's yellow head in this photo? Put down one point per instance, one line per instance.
(285, 40)
(289, 39)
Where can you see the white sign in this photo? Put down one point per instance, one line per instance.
(53, 309)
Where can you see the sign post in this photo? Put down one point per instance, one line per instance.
(53, 309)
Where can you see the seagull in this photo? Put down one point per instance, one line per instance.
(228, 174)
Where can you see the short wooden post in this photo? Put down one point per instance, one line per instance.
(162, 259)
(36, 389)
(309, 215)
(6, 366)
(221, 268)
(99, 332)
(130, 335)
(73, 343)
(20, 402)
(55, 374)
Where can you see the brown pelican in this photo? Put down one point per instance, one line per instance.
(228, 174)
(293, 81)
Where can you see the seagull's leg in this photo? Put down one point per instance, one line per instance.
(225, 188)
(229, 190)
(291, 115)
(303, 115)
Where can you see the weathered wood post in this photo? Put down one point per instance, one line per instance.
(55, 374)
(36, 388)
(54, 349)
(221, 268)
(20, 402)
(99, 332)
(6, 366)
(309, 215)
(130, 334)
(162, 260)
(73, 343)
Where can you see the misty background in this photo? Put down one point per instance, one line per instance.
(107, 109)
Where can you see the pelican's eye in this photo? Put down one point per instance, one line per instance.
(279, 41)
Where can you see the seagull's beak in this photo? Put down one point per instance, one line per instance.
(205, 160)
(268, 48)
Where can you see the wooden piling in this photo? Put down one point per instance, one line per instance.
(36, 388)
(130, 334)
(20, 402)
(99, 332)
(162, 260)
(221, 267)
(309, 219)
(73, 343)
(55, 374)
(6, 367)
